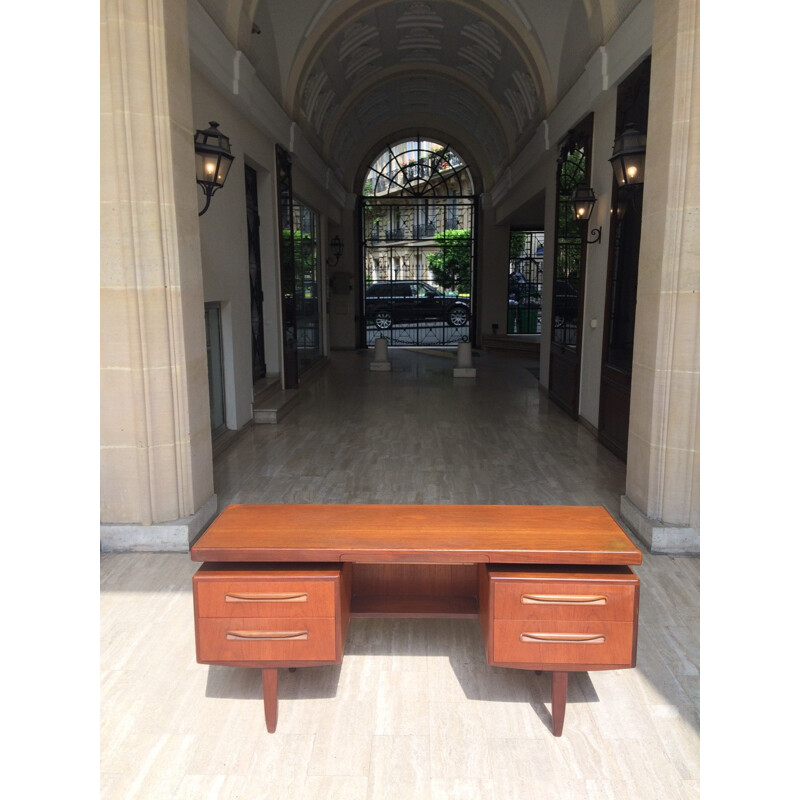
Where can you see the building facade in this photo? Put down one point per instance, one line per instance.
(310, 95)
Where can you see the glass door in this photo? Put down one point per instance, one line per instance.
(574, 169)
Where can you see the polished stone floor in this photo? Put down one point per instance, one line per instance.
(413, 711)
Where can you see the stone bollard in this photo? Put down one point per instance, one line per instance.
(463, 367)
(380, 362)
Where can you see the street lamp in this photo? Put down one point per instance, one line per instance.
(212, 160)
(627, 157)
(336, 248)
(583, 201)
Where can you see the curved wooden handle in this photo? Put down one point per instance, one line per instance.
(266, 635)
(567, 638)
(549, 599)
(270, 597)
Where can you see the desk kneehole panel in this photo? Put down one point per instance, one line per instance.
(270, 613)
(560, 617)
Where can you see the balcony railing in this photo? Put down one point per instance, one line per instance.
(426, 230)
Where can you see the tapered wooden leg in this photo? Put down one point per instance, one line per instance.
(559, 699)
(269, 683)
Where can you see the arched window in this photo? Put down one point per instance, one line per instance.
(417, 232)
(418, 168)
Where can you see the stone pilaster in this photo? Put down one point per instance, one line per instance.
(661, 502)
(157, 480)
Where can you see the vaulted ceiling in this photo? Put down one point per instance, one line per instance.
(354, 74)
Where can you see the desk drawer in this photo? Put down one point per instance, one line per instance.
(564, 643)
(266, 639)
(568, 596)
(267, 596)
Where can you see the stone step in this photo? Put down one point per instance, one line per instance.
(275, 406)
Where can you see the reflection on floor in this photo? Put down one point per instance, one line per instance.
(413, 711)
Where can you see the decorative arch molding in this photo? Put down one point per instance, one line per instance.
(444, 73)
(331, 22)
(603, 18)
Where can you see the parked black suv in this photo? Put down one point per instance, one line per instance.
(413, 301)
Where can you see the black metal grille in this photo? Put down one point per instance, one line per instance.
(418, 168)
(256, 291)
(307, 298)
(525, 282)
(572, 172)
(418, 246)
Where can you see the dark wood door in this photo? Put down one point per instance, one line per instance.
(623, 275)
(615, 373)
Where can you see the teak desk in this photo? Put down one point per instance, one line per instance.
(550, 585)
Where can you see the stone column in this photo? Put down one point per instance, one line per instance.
(156, 471)
(661, 502)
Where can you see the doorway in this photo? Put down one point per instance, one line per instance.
(256, 290)
(623, 276)
(216, 373)
(418, 245)
(566, 321)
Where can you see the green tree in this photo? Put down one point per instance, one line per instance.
(516, 244)
(452, 265)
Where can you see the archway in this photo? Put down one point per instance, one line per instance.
(418, 244)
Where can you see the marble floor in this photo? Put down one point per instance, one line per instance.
(413, 711)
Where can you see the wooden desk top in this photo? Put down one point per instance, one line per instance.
(417, 534)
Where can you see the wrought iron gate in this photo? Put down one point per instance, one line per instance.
(418, 245)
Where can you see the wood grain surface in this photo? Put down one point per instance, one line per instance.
(417, 533)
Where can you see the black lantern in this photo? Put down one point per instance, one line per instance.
(627, 157)
(337, 248)
(583, 201)
(212, 160)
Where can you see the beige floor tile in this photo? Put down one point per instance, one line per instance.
(461, 789)
(151, 766)
(458, 742)
(402, 703)
(401, 765)
(599, 790)
(343, 742)
(331, 788)
(212, 787)
(279, 766)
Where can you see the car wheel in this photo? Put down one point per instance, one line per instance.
(458, 316)
(383, 320)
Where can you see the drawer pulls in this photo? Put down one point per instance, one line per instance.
(555, 599)
(282, 636)
(567, 638)
(261, 597)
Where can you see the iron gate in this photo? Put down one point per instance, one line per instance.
(418, 247)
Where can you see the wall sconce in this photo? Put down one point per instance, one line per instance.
(212, 160)
(583, 201)
(627, 157)
(337, 248)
